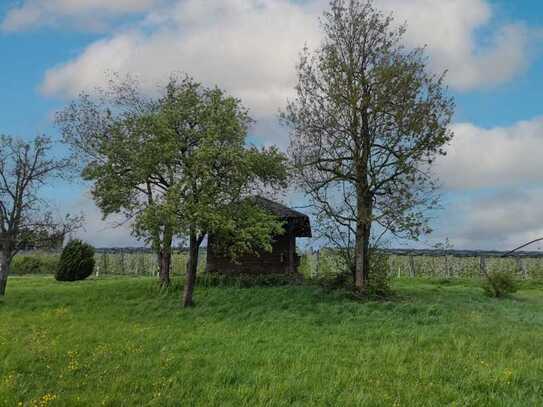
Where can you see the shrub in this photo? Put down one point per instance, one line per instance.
(76, 262)
(338, 281)
(305, 265)
(499, 284)
(248, 280)
(34, 264)
(379, 277)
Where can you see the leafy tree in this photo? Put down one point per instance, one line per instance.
(113, 136)
(178, 166)
(24, 218)
(366, 125)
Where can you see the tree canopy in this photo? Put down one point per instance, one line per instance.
(178, 165)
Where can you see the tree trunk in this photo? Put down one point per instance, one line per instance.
(364, 210)
(165, 258)
(4, 271)
(362, 246)
(192, 269)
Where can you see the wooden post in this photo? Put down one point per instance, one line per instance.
(412, 266)
(521, 267)
(122, 262)
(390, 264)
(317, 267)
(141, 264)
(482, 266)
(104, 262)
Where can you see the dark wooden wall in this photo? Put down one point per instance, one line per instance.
(266, 263)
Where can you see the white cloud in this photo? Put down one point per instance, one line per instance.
(100, 232)
(449, 29)
(496, 176)
(250, 47)
(499, 220)
(89, 14)
(498, 157)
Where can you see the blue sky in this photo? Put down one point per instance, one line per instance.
(493, 177)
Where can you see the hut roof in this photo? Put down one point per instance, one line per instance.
(297, 221)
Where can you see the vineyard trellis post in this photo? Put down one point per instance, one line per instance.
(412, 266)
(317, 268)
(104, 262)
(390, 264)
(521, 267)
(482, 266)
(122, 262)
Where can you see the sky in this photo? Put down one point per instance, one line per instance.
(492, 176)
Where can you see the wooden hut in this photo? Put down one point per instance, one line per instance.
(283, 257)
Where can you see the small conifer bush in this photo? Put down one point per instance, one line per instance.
(76, 261)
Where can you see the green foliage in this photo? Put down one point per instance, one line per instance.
(329, 270)
(34, 264)
(338, 281)
(499, 284)
(245, 228)
(305, 265)
(435, 347)
(76, 262)
(339, 277)
(379, 281)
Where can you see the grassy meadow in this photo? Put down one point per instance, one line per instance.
(120, 341)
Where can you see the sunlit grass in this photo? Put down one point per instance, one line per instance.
(119, 341)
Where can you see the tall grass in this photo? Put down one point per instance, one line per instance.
(121, 341)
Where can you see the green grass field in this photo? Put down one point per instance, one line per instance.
(119, 341)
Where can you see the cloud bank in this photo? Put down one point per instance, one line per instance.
(250, 47)
(500, 157)
(247, 47)
(112, 232)
(80, 14)
(494, 177)
(500, 220)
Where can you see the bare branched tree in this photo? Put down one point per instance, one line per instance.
(366, 125)
(24, 217)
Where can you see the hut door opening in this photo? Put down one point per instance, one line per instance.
(291, 266)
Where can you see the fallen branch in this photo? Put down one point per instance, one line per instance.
(523, 246)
